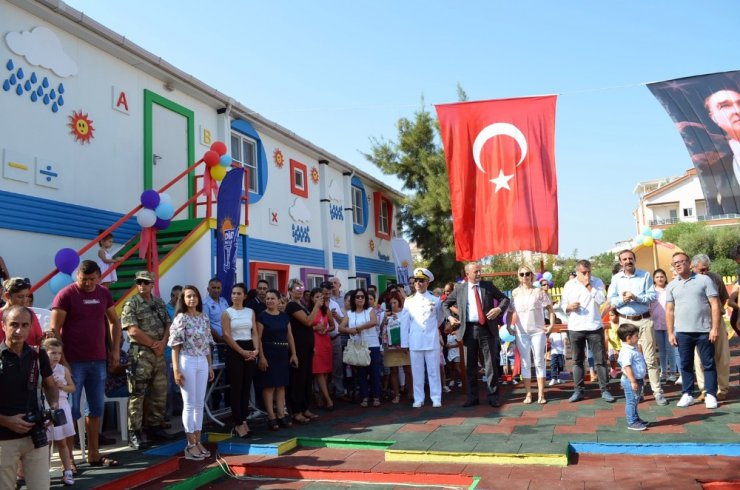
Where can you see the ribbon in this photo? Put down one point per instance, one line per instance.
(209, 183)
(148, 250)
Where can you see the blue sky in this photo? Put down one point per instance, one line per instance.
(338, 73)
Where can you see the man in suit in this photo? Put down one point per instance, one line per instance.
(475, 323)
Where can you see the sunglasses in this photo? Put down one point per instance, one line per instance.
(139, 282)
(421, 280)
(359, 297)
(525, 274)
(17, 284)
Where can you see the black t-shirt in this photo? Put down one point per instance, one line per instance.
(302, 335)
(15, 372)
(257, 306)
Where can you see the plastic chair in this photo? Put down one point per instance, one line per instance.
(122, 410)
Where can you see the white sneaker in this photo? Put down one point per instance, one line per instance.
(437, 404)
(671, 378)
(679, 381)
(417, 405)
(446, 389)
(687, 400)
(552, 382)
(451, 383)
(710, 401)
(560, 381)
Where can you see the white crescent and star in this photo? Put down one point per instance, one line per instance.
(491, 131)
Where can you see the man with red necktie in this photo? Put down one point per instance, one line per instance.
(476, 326)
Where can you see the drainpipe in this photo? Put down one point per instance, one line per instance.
(325, 213)
(349, 230)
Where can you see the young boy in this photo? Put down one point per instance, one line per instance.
(63, 436)
(453, 356)
(633, 374)
(557, 356)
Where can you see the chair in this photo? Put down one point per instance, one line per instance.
(122, 410)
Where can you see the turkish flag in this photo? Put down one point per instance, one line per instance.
(501, 165)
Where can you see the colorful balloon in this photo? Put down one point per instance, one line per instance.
(538, 276)
(164, 197)
(648, 241)
(639, 239)
(225, 161)
(211, 158)
(162, 224)
(146, 218)
(66, 260)
(219, 147)
(150, 199)
(647, 231)
(218, 173)
(59, 281)
(165, 211)
(657, 234)
(547, 276)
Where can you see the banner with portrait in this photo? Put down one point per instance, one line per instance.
(706, 111)
(228, 217)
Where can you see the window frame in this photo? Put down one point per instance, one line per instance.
(253, 170)
(379, 201)
(359, 187)
(297, 167)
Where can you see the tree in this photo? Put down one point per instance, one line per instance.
(716, 242)
(425, 214)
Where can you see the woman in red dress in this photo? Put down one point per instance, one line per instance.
(323, 325)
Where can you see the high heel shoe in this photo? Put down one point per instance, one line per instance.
(285, 422)
(273, 424)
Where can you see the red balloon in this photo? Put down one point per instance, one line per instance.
(219, 147)
(211, 158)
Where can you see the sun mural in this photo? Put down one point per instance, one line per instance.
(82, 127)
(315, 175)
(278, 157)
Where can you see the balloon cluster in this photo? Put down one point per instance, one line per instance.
(505, 335)
(547, 276)
(66, 260)
(648, 236)
(158, 210)
(217, 160)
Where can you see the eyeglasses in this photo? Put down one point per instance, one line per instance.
(525, 274)
(420, 280)
(298, 288)
(679, 262)
(702, 271)
(139, 282)
(359, 297)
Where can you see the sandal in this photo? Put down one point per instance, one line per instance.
(75, 472)
(193, 455)
(396, 399)
(376, 402)
(542, 401)
(308, 414)
(527, 399)
(104, 461)
(284, 421)
(364, 403)
(203, 451)
(273, 424)
(301, 419)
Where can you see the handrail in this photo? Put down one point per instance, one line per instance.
(125, 218)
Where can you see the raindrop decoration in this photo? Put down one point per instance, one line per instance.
(46, 100)
(60, 101)
(20, 74)
(54, 107)
(39, 91)
(9, 65)
(45, 82)
(60, 89)
(12, 79)
(27, 85)
(53, 94)
(33, 77)
(19, 90)
(34, 97)
(6, 85)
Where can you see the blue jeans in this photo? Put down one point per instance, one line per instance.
(666, 352)
(374, 371)
(631, 399)
(91, 376)
(557, 364)
(687, 342)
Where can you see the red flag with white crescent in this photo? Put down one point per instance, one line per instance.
(501, 164)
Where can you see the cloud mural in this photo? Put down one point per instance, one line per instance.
(41, 47)
(299, 212)
(335, 191)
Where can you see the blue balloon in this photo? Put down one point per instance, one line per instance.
(60, 280)
(165, 211)
(505, 335)
(225, 160)
(639, 239)
(547, 276)
(657, 234)
(647, 231)
(537, 284)
(66, 260)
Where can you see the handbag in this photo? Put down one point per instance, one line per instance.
(356, 353)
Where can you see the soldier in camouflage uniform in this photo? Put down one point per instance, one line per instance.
(146, 320)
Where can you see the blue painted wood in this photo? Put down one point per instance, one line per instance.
(365, 264)
(340, 261)
(282, 253)
(669, 448)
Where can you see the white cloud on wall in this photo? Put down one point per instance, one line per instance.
(41, 47)
(299, 212)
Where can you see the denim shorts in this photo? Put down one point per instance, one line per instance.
(91, 376)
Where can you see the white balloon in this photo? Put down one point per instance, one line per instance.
(164, 197)
(146, 218)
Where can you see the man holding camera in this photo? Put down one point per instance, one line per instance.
(22, 417)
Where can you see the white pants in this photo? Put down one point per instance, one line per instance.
(430, 359)
(536, 344)
(195, 371)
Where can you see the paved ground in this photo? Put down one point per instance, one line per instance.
(515, 429)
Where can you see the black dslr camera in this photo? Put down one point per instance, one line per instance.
(39, 419)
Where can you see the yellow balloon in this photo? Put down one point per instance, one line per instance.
(218, 172)
(648, 242)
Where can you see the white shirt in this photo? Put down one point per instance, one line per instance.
(370, 335)
(735, 147)
(425, 313)
(241, 323)
(587, 317)
(529, 305)
(472, 305)
(557, 343)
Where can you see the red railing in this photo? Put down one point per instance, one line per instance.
(193, 200)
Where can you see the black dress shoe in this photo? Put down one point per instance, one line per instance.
(471, 403)
(136, 441)
(157, 433)
(494, 403)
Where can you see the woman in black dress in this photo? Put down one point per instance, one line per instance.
(278, 354)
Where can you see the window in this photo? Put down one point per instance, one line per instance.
(314, 281)
(244, 151)
(362, 283)
(270, 276)
(298, 178)
(673, 214)
(688, 212)
(357, 206)
(383, 216)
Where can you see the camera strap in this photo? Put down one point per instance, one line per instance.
(33, 377)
